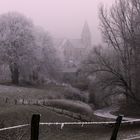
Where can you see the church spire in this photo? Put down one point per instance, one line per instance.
(86, 35)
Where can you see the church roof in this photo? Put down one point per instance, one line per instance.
(80, 43)
(77, 43)
(59, 43)
(70, 70)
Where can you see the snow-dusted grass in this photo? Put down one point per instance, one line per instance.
(11, 115)
(62, 97)
(20, 114)
(49, 92)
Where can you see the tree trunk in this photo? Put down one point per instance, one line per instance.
(14, 74)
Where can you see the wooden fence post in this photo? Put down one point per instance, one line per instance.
(23, 101)
(6, 101)
(116, 127)
(15, 101)
(35, 127)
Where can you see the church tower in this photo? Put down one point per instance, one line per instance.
(86, 35)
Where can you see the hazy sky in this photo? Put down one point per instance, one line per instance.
(62, 18)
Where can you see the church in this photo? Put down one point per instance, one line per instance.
(73, 51)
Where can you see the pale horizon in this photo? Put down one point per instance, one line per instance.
(62, 18)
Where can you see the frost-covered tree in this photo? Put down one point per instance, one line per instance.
(51, 63)
(16, 42)
(47, 65)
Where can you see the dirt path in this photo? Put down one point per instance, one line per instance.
(106, 113)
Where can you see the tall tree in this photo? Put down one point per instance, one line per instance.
(117, 65)
(16, 42)
(120, 27)
(48, 65)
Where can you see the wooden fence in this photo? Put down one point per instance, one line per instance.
(35, 123)
(22, 101)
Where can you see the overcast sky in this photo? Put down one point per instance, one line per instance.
(62, 18)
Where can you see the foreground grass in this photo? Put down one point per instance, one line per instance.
(20, 114)
(86, 133)
(11, 115)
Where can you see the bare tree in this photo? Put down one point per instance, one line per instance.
(121, 31)
(117, 65)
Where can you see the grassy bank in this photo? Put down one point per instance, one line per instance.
(20, 114)
(48, 92)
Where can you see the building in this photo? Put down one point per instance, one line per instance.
(73, 51)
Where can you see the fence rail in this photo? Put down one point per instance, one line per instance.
(71, 123)
(133, 138)
(35, 123)
(14, 127)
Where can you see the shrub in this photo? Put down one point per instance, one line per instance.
(73, 106)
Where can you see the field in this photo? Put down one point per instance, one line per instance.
(11, 115)
(48, 92)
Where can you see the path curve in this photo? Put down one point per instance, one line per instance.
(106, 113)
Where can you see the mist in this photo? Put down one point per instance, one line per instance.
(62, 18)
(65, 73)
